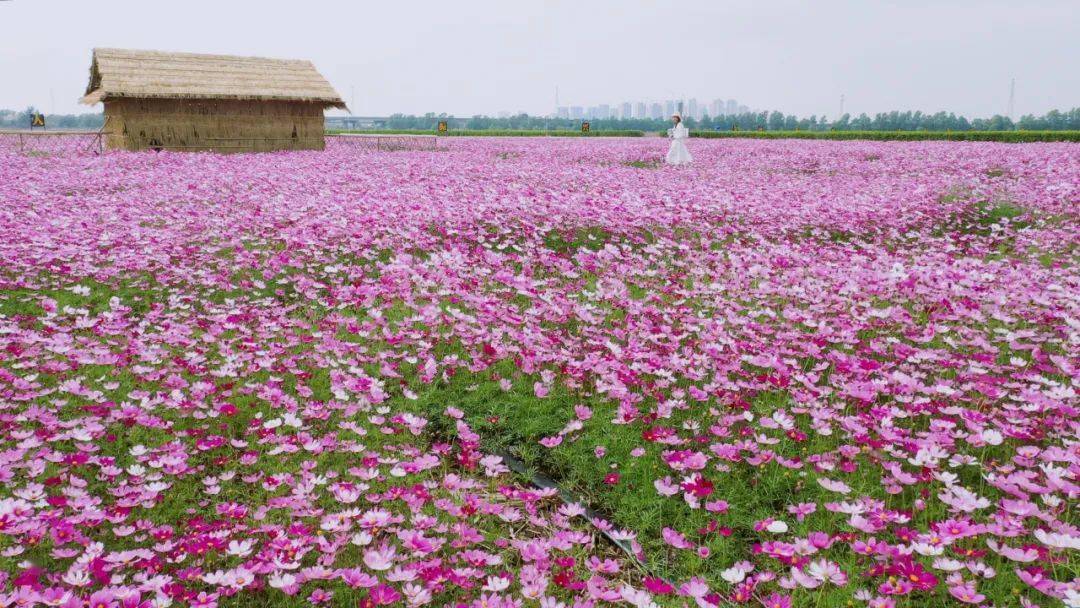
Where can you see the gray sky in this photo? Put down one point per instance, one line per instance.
(471, 57)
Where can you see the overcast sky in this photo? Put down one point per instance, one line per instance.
(472, 57)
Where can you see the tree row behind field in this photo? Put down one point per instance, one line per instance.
(1053, 120)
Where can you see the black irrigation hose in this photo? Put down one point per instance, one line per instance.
(544, 482)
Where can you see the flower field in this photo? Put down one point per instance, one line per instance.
(796, 373)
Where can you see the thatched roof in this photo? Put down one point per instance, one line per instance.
(118, 73)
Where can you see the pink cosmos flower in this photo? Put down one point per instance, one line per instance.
(818, 572)
(965, 592)
(381, 558)
(801, 510)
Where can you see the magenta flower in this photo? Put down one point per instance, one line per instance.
(776, 600)
(384, 595)
(914, 573)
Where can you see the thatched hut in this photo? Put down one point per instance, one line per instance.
(187, 101)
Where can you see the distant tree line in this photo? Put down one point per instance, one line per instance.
(1054, 120)
(12, 119)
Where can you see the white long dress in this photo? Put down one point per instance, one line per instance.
(677, 154)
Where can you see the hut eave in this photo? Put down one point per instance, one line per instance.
(94, 97)
(100, 95)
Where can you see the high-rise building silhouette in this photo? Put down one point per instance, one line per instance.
(690, 107)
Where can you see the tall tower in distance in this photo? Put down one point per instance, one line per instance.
(1012, 100)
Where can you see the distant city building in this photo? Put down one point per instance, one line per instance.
(690, 107)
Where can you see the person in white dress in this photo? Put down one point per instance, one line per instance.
(678, 154)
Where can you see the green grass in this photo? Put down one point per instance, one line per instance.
(643, 164)
(514, 421)
(130, 292)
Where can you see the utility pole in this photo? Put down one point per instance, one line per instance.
(841, 105)
(1012, 99)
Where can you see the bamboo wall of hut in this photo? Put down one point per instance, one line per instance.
(221, 125)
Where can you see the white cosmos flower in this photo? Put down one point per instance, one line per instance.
(992, 437)
(927, 549)
(733, 575)
(282, 580)
(1058, 541)
(240, 548)
(77, 578)
(777, 527)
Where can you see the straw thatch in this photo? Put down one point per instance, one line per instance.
(183, 101)
(119, 73)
